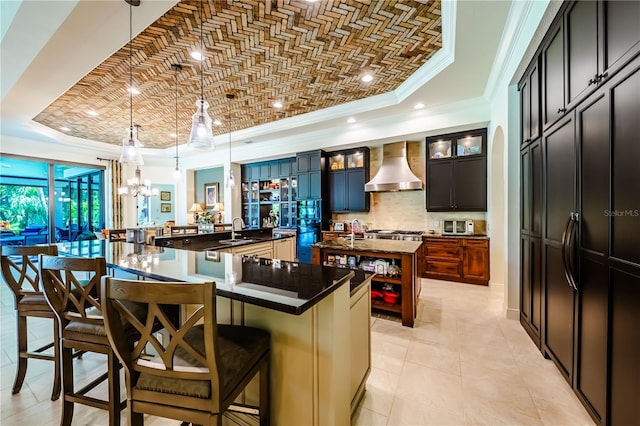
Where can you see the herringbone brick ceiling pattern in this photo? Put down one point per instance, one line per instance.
(308, 55)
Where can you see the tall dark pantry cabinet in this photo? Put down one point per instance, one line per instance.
(580, 204)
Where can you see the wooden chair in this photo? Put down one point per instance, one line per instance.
(21, 275)
(71, 287)
(196, 371)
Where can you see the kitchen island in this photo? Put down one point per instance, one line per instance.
(318, 317)
(393, 289)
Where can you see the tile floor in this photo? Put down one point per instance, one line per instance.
(462, 364)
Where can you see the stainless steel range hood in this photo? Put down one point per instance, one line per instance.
(394, 173)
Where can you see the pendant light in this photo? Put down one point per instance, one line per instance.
(201, 135)
(130, 144)
(177, 173)
(231, 182)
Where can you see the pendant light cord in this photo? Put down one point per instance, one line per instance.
(130, 72)
(201, 62)
(177, 68)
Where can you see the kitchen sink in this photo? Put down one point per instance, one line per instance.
(238, 241)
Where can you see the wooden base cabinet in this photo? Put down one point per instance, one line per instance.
(456, 259)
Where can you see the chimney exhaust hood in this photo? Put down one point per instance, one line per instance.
(394, 173)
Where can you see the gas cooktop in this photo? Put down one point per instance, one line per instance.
(393, 235)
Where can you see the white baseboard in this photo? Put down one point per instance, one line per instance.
(513, 314)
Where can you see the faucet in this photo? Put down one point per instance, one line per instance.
(233, 226)
(353, 231)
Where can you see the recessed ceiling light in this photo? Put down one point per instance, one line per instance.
(367, 78)
(64, 129)
(172, 135)
(133, 91)
(197, 55)
(217, 122)
(351, 120)
(419, 105)
(92, 113)
(277, 104)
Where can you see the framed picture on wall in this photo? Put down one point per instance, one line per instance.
(212, 256)
(211, 194)
(165, 207)
(165, 196)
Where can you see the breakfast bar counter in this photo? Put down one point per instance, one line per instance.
(318, 317)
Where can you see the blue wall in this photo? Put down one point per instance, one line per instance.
(156, 216)
(203, 177)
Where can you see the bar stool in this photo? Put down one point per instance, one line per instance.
(196, 370)
(71, 287)
(22, 278)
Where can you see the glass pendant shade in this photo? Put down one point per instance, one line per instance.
(177, 173)
(201, 136)
(231, 182)
(131, 148)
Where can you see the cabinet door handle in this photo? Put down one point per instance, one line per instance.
(593, 80)
(561, 110)
(602, 76)
(567, 250)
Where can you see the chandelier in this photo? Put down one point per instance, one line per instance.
(136, 186)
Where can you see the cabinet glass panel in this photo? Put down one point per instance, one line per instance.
(355, 160)
(440, 149)
(284, 189)
(285, 217)
(294, 188)
(471, 145)
(336, 162)
(255, 191)
(245, 192)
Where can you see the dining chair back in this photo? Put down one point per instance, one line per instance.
(71, 287)
(191, 372)
(20, 272)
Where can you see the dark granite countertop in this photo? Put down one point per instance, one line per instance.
(217, 240)
(290, 287)
(471, 237)
(381, 246)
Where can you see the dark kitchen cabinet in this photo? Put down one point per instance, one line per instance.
(553, 104)
(589, 42)
(457, 171)
(582, 49)
(348, 173)
(530, 104)
(559, 149)
(530, 242)
(586, 258)
(310, 171)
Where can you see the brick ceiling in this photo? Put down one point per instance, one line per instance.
(308, 55)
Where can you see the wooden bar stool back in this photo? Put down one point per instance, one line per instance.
(71, 287)
(195, 371)
(20, 273)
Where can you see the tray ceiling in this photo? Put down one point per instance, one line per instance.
(308, 55)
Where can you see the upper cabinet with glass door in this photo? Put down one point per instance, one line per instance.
(460, 146)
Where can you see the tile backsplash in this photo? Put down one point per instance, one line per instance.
(403, 210)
